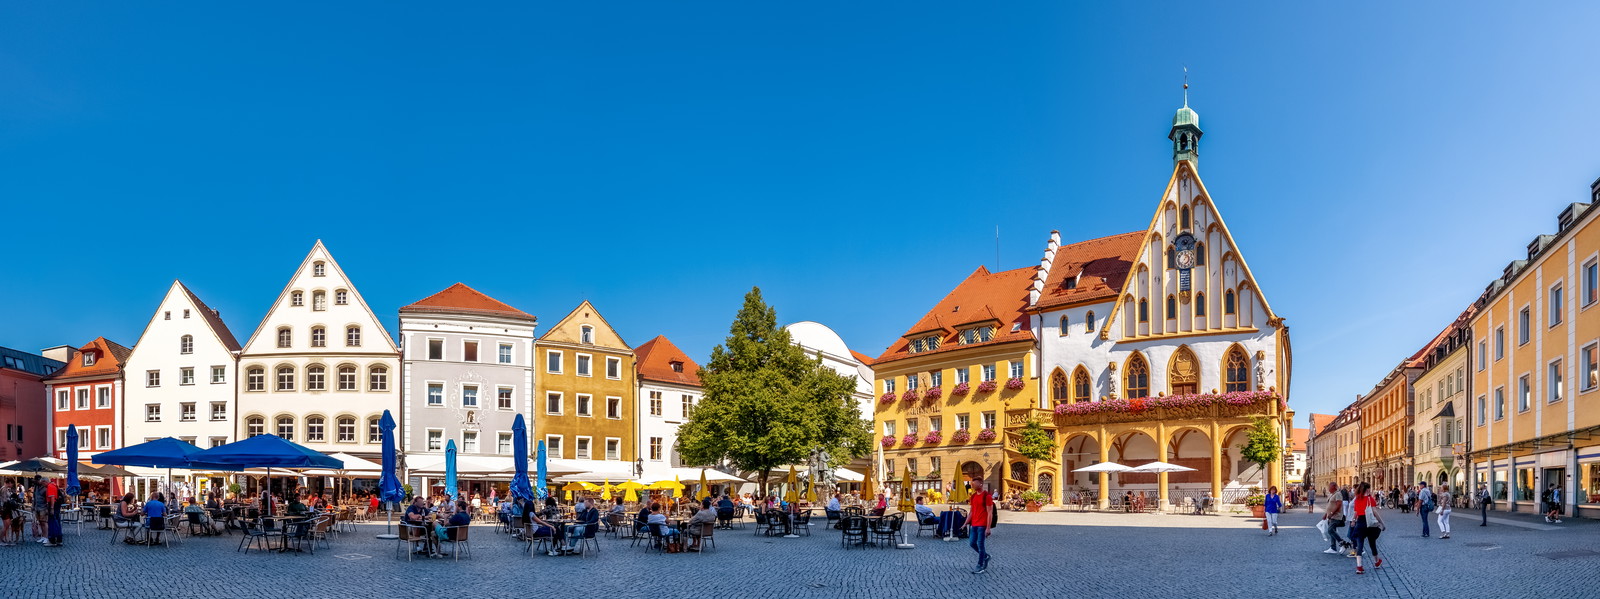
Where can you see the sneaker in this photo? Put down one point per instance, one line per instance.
(1377, 563)
(1558, 520)
(980, 570)
(1359, 570)
(551, 553)
(1331, 550)
(1546, 518)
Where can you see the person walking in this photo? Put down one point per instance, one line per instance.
(1311, 499)
(1483, 504)
(1334, 514)
(1272, 505)
(1425, 505)
(980, 523)
(53, 497)
(1445, 503)
(1366, 526)
(1552, 504)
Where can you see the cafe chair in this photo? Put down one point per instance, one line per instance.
(300, 534)
(106, 521)
(588, 540)
(253, 535)
(707, 535)
(833, 517)
(887, 527)
(725, 517)
(320, 528)
(853, 531)
(761, 523)
(931, 526)
(537, 543)
(196, 522)
(411, 538)
(458, 538)
(156, 532)
(738, 517)
(802, 522)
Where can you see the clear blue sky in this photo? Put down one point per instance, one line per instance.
(1379, 163)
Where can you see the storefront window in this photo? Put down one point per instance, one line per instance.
(1499, 484)
(1590, 482)
(1525, 484)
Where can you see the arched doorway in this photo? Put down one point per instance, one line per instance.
(1079, 451)
(1183, 375)
(1047, 485)
(1133, 448)
(1238, 475)
(971, 470)
(1191, 448)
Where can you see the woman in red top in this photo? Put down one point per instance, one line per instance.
(1368, 524)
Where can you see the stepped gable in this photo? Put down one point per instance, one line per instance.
(1099, 266)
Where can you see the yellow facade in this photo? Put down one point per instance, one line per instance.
(585, 381)
(1386, 415)
(977, 410)
(1535, 370)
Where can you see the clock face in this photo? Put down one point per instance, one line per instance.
(1185, 259)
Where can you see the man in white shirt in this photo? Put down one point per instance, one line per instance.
(833, 504)
(925, 514)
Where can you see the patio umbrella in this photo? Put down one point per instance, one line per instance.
(1160, 467)
(792, 494)
(72, 460)
(450, 469)
(705, 487)
(1105, 467)
(33, 465)
(866, 484)
(521, 487)
(632, 489)
(165, 452)
(389, 487)
(605, 491)
(263, 451)
(960, 494)
(540, 486)
(906, 504)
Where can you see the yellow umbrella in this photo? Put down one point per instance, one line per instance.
(705, 488)
(605, 493)
(793, 494)
(959, 493)
(632, 489)
(811, 489)
(906, 504)
(866, 485)
(574, 486)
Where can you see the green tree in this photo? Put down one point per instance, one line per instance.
(1035, 443)
(1262, 445)
(766, 404)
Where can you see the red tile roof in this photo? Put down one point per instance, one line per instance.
(1419, 359)
(1001, 296)
(1297, 439)
(862, 358)
(1099, 266)
(213, 319)
(1321, 421)
(109, 358)
(655, 358)
(461, 299)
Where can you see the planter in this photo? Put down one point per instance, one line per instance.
(1258, 511)
(1033, 506)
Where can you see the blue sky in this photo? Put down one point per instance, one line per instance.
(1378, 163)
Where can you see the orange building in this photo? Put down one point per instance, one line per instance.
(88, 393)
(1386, 414)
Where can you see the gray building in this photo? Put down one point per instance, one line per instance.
(467, 370)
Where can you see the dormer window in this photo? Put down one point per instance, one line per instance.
(586, 334)
(88, 358)
(922, 344)
(977, 335)
(319, 269)
(1071, 283)
(677, 366)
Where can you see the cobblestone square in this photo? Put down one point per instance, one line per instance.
(1047, 554)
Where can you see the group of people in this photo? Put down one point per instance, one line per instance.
(438, 520)
(44, 499)
(1359, 510)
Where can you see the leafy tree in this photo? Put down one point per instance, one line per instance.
(1035, 443)
(1262, 445)
(767, 405)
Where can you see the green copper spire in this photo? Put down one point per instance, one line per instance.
(1185, 133)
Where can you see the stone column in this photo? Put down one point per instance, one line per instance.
(1216, 462)
(1105, 478)
(1161, 454)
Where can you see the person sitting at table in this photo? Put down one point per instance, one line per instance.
(641, 519)
(538, 528)
(551, 511)
(725, 511)
(705, 517)
(880, 506)
(155, 514)
(417, 516)
(296, 508)
(925, 514)
(585, 516)
(658, 518)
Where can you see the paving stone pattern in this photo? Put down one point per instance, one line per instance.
(1049, 554)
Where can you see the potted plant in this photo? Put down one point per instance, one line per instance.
(910, 395)
(909, 440)
(1256, 501)
(986, 386)
(1033, 499)
(888, 441)
(986, 435)
(933, 437)
(887, 397)
(933, 393)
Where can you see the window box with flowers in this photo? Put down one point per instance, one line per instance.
(909, 440)
(910, 395)
(960, 436)
(960, 389)
(1194, 400)
(933, 437)
(887, 441)
(986, 386)
(1014, 384)
(933, 393)
(986, 435)
(887, 397)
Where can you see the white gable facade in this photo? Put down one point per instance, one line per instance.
(181, 377)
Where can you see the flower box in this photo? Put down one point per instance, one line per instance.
(961, 436)
(887, 397)
(909, 440)
(1170, 402)
(934, 393)
(1014, 384)
(986, 435)
(960, 389)
(910, 395)
(933, 437)
(986, 386)
(887, 441)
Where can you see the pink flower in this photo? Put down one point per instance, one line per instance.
(909, 439)
(1195, 400)
(986, 435)
(888, 441)
(932, 437)
(961, 436)
(1014, 384)
(961, 389)
(933, 393)
(986, 386)
(887, 397)
(909, 395)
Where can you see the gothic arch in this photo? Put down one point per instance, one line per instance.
(1235, 369)
(1060, 387)
(1082, 385)
(1136, 376)
(1183, 372)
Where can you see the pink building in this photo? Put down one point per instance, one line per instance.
(24, 403)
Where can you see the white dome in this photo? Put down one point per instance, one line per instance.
(816, 335)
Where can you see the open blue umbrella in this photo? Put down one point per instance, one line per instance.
(389, 488)
(520, 487)
(539, 486)
(263, 451)
(72, 460)
(165, 452)
(450, 470)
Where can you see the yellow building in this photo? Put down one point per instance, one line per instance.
(1441, 396)
(1386, 414)
(585, 386)
(1535, 415)
(944, 385)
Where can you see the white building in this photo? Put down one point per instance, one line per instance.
(181, 375)
(320, 369)
(669, 388)
(822, 342)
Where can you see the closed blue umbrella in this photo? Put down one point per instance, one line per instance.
(539, 483)
(450, 470)
(520, 487)
(72, 460)
(389, 488)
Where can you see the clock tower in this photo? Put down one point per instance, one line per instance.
(1185, 134)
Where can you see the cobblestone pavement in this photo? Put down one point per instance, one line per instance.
(1039, 555)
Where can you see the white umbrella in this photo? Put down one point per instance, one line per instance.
(1105, 467)
(1160, 467)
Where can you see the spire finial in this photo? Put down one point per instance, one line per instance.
(1185, 86)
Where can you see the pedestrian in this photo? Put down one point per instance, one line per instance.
(1483, 504)
(1425, 505)
(981, 520)
(1366, 526)
(1311, 499)
(41, 509)
(1272, 505)
(1334, 514)
(53, 497)
(1552, 502)
(1444, 500)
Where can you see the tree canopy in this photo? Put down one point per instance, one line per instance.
(1262, 445)
(766, 404)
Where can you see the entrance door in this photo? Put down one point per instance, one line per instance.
(1557, 477)
(1185, 389)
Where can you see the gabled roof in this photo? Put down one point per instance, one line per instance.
(1321, 421)
(271, 318)
(109, 358)
(1099, 267)
(1001, 296)
(561, 325)
(461, 299)
(1297, 439)
(212, 318)
(862, 358)
(655, 358)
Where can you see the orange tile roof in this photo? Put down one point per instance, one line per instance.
(655, 358)
(1418, 359)
(862, 358)
(1297, 439)
(461, 299)
(1321, 421)
(1100, 266)
(213, 319)
(109, 358)
(1000, 296)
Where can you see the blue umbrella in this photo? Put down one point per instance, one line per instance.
(520, 487)
(539, 485)
(389, 488)
(450, 469)
(264, 451)
(72, 460)
(165, 452)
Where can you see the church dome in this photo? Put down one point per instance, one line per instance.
(1186, 116)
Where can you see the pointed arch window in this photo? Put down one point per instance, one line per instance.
(1172, 307)
(186, 344)
(1237, 368)
(1059, 391)
(1144, 309)
(1062, 330)
(1088, 321)
(1200, 303)
(1199, 253)
(1183, 217)
(1138, 376)
(1228, 302)
(1080, 385)
(1172, 257)
(1183, 375)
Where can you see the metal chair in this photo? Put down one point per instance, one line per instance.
(300, 533)
(886, 528)
(253, 535)
(410, 535)
(588, 539)
(803, 522)
(707, 535)
(537, 541)
(458, 537)
(156, 532)
(853, 531)
(196, 521)
(923, 525)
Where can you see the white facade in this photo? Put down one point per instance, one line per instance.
(663, 407)
(821, 341)
(182, 373)
(321, 369)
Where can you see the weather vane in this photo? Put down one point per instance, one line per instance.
(1185, 85)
